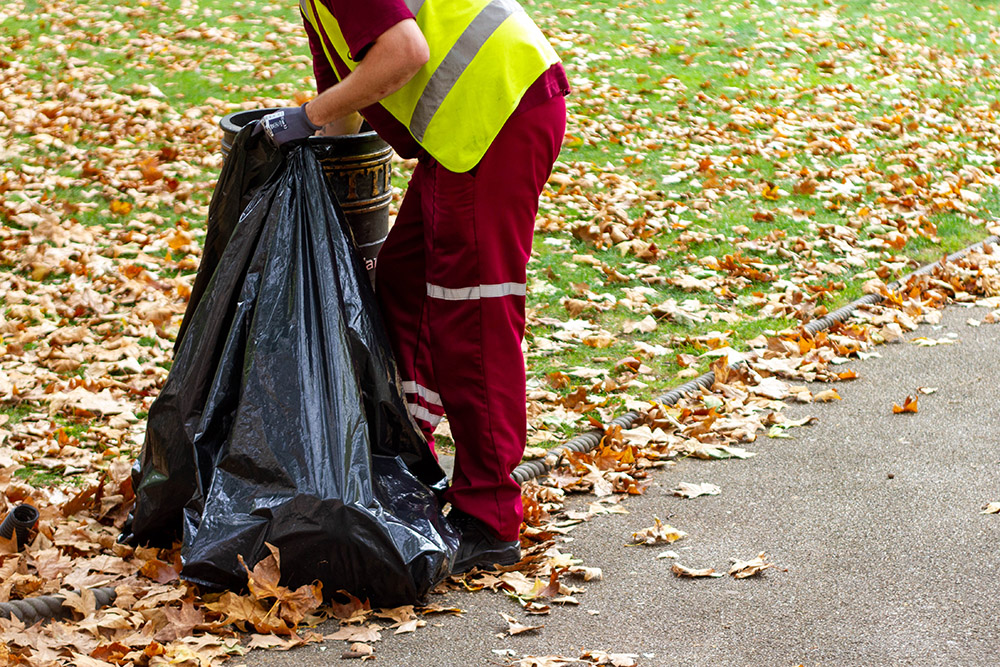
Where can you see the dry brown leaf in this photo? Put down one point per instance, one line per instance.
(612, 659)
(515, 627)
(689, 490)
(658, 533)
(750, 568)
(682, 571)
(352, 633)
(359, 650)
(826, 396)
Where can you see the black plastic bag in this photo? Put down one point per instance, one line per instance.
(282, 420)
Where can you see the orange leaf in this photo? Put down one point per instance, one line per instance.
(159, 571)
(121, 207)
(293, 605)
(909, 405)
(150, 169)
(806, 186)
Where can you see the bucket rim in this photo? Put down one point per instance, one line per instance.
(233, 122)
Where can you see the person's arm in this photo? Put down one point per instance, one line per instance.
(391, 61)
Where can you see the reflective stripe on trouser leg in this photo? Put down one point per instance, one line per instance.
(424, 404)
(402, 295)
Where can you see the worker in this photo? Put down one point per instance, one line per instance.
(473, 90)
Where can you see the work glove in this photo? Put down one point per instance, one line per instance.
(286, 124)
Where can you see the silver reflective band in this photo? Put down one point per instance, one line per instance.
(477, 292)
(423, 392)
(458, 58)
(304, 6)
(425, 415)
(414, 6)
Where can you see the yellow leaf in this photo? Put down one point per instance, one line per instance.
(827, 395)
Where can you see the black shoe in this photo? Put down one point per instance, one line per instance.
(478, 547)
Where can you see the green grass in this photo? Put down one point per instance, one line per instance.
(665, 82)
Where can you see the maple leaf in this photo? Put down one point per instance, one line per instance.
(364, 633)
(682, 571)
(292, 606)
(358, 650)
(84, 602)
(545, 661)
(119, 207)
(658, 533)
(750, 568)
(239, 610)
(159, 571)
(770, 191)
(515, 627)
(180, 622)
(688, 490)
(806, 186)
(273, 642)
(354, 610)
(826, 395)
(909, 406)
(150, 169)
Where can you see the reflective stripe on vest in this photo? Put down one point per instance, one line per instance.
(484, 54)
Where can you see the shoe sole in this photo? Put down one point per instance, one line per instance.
(487, 563)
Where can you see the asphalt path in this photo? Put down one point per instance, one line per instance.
(872, 520)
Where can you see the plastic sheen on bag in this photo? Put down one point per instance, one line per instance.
(282, 419)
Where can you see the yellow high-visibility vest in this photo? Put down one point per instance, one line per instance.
(484, 55)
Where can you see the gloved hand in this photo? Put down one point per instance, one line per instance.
(286, 124)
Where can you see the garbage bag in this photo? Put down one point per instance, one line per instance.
(282, 419)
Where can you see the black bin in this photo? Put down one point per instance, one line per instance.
(357, 167)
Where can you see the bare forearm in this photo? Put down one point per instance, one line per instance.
(395, 57)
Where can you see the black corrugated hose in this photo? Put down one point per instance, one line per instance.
(19, 521)
(589, 440)
(31, 610)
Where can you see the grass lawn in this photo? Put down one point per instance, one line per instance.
(730, 168)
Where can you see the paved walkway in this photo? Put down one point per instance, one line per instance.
(873, 518)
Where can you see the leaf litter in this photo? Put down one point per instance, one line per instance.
(94, 285)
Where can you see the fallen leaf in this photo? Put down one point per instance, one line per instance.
(682, 571)
(358, 650)
(514, 627)
(658, 533)
(613, 659)
(826, 395)
(546, 661)
(689, 490)
(749, 568)
(351, 633)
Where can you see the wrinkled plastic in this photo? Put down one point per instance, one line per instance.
(282, 419)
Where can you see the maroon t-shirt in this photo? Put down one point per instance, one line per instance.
(361, 24)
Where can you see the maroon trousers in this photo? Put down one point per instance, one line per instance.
(451, 285)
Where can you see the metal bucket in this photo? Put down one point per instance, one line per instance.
(357, 167)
